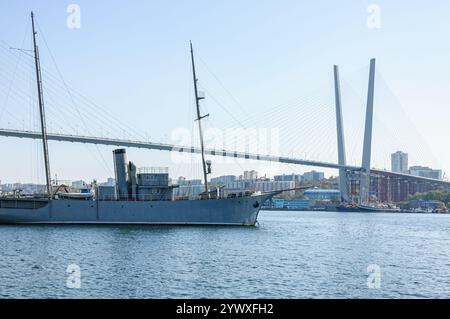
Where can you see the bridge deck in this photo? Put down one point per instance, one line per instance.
(195, 150)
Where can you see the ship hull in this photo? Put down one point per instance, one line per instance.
(229, 211)
(344, 209)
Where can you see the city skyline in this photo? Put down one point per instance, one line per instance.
(253, 175)
(68, 47)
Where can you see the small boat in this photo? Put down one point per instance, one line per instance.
(379, 208)
(371, 208)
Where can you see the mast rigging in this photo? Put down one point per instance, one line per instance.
(42, 111)
(199, 118)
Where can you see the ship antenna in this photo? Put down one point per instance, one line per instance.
(199, 118)
(42, 111)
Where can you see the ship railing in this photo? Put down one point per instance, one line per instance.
(147, 198)
(167, 197)
(153, 170)
(19, 203)
(134, 198)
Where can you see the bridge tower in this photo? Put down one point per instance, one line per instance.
(343, 184)
(367, 147)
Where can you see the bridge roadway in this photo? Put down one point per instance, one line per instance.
(196, 150)
(168, 147)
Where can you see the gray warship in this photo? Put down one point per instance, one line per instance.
(139, 197)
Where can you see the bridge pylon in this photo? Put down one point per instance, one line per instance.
(343, 184)
(367, 146)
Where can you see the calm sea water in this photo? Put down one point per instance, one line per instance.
(290, 255)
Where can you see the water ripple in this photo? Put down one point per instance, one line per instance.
(290, 255)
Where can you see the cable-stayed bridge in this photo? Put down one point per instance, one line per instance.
(356, 182)
(212, 152)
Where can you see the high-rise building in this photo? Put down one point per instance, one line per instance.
(399, 162)
(250, 175)
(288, 178)
(313, 176)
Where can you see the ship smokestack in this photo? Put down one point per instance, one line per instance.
(132, 180)
(121, 171)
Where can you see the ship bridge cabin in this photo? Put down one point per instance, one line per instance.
(143, 184)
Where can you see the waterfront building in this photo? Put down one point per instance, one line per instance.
(299, 204)
(294, 204)
(323, 194)
(388, 188)
(277, 203)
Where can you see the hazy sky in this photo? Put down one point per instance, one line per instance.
(263, 64)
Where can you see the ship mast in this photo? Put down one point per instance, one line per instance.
(42, 111)
(199, 118)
